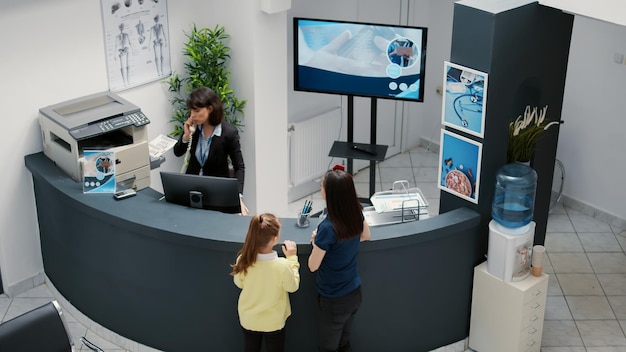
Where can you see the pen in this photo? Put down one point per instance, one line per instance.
(307, 207)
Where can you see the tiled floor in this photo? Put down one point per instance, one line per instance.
(586, 303)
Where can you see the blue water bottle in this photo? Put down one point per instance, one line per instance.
(514, 199)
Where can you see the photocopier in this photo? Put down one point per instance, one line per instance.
(101, 121)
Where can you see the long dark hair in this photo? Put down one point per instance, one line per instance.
(344, 208)
(204, 97)
(262, 230)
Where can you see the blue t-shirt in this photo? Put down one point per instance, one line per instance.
(337, 275)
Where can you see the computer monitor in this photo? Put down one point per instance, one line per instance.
(206, 192)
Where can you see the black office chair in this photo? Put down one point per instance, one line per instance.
(42, 329)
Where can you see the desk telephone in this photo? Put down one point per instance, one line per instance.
(192, 129)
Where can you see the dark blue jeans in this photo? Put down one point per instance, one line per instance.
(334, 320)
(274, 340)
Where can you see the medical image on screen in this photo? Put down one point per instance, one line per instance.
(359, 59)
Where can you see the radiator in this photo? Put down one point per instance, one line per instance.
(309, 144)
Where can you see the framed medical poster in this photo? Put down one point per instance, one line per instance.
(464, 99)
(136, 40)
(459, 165)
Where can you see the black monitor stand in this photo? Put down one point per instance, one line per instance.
(351, 150)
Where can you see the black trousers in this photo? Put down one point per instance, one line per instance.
(274, 340)
(334, 320)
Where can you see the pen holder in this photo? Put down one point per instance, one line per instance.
(303, 220)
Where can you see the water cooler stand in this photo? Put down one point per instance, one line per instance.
(509, 251)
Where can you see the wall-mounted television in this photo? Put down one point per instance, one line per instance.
(359, 59)
(206, 192)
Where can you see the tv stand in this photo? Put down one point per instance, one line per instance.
(351, 150)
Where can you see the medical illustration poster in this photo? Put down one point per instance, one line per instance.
(98, 171)
(459, 165)
(136, 42)
(464, 99)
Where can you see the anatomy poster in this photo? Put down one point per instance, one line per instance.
(459, 166)
(464, 99)
(136, 41)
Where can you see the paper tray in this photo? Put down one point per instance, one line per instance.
(389, 201)
(374, 218)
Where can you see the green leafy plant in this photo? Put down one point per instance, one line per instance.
(207, 56)
(525, 131)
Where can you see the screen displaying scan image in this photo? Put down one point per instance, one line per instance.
(363, 59)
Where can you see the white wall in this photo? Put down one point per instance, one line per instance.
(53, 51)
(592, 140)
(424, 120)
(606, 10)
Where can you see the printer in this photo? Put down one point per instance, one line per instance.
(101, 121)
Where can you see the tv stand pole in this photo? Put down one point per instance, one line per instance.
(373, 117)
(351, 150)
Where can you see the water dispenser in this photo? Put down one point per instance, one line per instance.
(512, 231)
(514, 199)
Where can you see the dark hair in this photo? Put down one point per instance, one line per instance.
(342, 203)
(204, 97)
(262, 230)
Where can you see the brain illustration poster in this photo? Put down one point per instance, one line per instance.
(136, 41)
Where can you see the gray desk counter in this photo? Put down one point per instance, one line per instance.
(158, 273)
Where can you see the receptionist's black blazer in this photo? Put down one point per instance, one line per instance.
(222, 147)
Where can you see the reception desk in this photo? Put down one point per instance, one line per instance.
(158, 273)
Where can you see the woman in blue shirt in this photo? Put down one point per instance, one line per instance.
(335, 247)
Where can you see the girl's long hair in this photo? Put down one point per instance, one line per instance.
(344, 208)
(262, 230)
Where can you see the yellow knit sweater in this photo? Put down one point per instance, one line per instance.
(264, 300)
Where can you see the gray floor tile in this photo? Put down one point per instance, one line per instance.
(580, 284)
(554, 287)
(390, 175)
(4, 307)
(563, 242)
(560, 333)
(618, 303)
(400, 160)
(613, 284)
(20, 306)
(570, 263)
(586, 223)
(608, 263)
(599, 242)
(557, 309)
(604, 349)
(559, 223)
(590, 307)
(601, 333)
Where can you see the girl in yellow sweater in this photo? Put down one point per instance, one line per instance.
(265, 280)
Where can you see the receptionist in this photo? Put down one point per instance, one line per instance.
(208, 140)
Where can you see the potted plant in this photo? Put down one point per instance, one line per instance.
(524, 132)
(207, 54)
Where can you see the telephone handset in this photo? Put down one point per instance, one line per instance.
(192, 129)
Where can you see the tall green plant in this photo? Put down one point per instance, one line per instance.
(207, 57)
